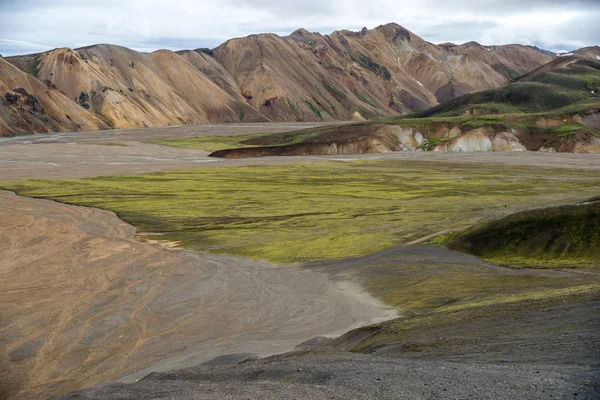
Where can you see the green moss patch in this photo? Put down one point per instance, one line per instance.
(208, 143)
(566, 236)
(306, 212)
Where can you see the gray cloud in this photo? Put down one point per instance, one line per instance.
(37, 25)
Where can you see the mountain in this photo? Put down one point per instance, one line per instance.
(510, 61)
(30, 106)
(566, 81)
(588, 52)
(555, 107)
(130, 89)
(377, 73)
(306, 76)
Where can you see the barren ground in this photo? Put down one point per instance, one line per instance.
(74, 155)
(85, 302)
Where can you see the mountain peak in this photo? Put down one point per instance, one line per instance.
(390, 25)
(300, 32)
(395, 32)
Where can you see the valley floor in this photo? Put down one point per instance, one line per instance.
(129, 151)
(85, 302)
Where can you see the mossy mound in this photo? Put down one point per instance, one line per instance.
(565, 236)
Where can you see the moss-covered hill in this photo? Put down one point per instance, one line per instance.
(563, 82)
(565, 236)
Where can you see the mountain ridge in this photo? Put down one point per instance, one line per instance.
(305, 76)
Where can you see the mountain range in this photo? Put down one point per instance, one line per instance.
(369, 74)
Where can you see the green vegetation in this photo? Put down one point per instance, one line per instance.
(511, 73)
(430, 143)
(422, 279)
(368, 100)
(294, 108)
(567, 236)
(422, 332)
(208, 143)
(582, 76)
(368, 63)
(108, 124)
(567, 130)
(304, 212)
(314, 109)
(366, 113)
(31, 66)
(335, 92)
(526, 97)
(214, 143)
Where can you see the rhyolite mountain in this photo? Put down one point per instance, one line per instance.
(29, 106)
(554, 108)
(370, 74)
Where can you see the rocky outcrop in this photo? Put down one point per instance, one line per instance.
(351, 140)
(482, 140)
(440, 137)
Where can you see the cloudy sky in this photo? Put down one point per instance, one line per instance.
(28, 26)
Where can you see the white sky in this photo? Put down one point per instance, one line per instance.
(28, 26)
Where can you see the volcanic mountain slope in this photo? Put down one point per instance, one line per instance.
(305, 76)
(213, 70)
(510, 60)
(379, 72)
(588, 52)
(132, 89)
(556, 107)
(563, 82)
(29, 106)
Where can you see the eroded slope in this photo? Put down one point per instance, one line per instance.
(28, 106)
(305, 76)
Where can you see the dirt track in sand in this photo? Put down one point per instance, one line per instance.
(85, 302)
(74, 155)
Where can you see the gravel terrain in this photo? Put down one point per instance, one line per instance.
(74, 155)
(539, 349)
(327, 374)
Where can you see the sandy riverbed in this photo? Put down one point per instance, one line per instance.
(85, 302)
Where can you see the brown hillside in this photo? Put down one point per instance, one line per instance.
(132, 89)
(588, 52)
(29, 106)
(305, 76)
(508, 60)
(379, 72)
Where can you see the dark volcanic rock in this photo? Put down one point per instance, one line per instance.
(21, 91)
(83, 100)
(11, 98)
(34, 105)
